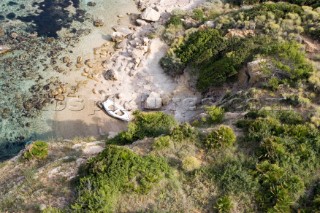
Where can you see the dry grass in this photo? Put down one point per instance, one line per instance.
(27, 185)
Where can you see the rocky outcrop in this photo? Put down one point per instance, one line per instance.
(154, 101)
(239, 33)
(309, 46)
(123, 29)
(141, 22)
(150, 14)
(254, 71)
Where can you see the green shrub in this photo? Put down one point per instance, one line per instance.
(175, 20)
(264, 127)
(274, 149)
(236, 53)
(190, 163)
(114, 171)
(52, 210)
(145, 124)
(273, 84)
(289, 117)
(184, 132)
(200, 46)
(288, 150)
(172, 66)
(233, 176)
(36, 150)
(291, 62)
(198, 14)
(279, 9)
(313, 3)
(162, 142)
(215, 114)
(311, 202)
(224, 204)
(278, 189)
(220, 138)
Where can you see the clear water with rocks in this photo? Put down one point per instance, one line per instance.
(44, 37)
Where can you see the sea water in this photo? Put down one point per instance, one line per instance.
(39, 33)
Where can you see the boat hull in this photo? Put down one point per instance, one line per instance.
(116, 111)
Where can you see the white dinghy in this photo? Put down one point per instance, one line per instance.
(115, 110)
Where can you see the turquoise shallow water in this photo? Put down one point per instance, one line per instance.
(40, 32)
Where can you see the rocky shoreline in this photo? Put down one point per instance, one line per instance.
(124, 69)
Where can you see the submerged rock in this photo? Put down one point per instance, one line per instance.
(110, 75)
(4, 49)
(59, 97)
(91, 4)
(98, 23)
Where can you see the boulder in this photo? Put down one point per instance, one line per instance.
(110, 75)
(117, 36)
(209, 24)
(141, 22)
(121, 45)
(309, 46)
(123, 29)
(255, 71)
(165, 99)
(239, 33)
(150, 14)
(189, 22)
(154, 101)
(92, 149)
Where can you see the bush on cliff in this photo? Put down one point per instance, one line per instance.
(36, 150)
(145, 124)
(115, 171)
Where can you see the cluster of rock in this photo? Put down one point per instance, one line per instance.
(239, 33)
(132, 49)
(255, 71)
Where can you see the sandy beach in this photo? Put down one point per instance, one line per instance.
(135, 61)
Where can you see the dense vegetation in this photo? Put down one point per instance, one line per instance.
(145, 125)
(271, 176)
(217, 59)
(286, 60)
(266, 161)
(313, 3)
(287, 148)
(117, 170)
(255, 149)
